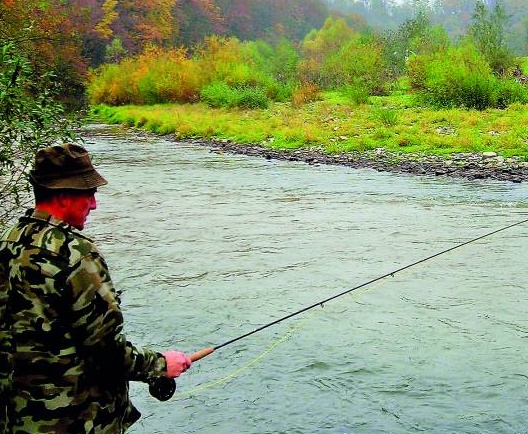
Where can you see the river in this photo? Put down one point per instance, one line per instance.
(207, 247)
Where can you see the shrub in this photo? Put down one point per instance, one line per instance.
(243, 66)
(355, 94)
(305, 93)
(221, 59)
(217, 94)
(337, 55)
(318, 46)
(284, 62)
(457, 77)
(220, 94)
(112, 84)
(510, 92)
(476, 92)
(250, 98)
(416, 35)
(488, 31)
(281, 92)
(154, 76)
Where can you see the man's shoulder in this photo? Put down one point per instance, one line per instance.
(47, 239)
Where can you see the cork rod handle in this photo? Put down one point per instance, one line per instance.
(201, 354)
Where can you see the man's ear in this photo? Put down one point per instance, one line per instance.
(62, 200)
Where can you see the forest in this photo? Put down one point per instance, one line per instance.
(70, 37)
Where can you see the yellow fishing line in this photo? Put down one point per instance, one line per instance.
(244, 368)
(254, 361)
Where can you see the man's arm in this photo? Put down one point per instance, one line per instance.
(98, 323)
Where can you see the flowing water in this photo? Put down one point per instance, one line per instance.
(207, 247)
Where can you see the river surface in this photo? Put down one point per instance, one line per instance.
(207, 247)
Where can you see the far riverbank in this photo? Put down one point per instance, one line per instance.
(473, 166)
(382, 135)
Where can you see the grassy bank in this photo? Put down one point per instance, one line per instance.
(335, 125)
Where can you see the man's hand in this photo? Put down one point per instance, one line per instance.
(177, 363)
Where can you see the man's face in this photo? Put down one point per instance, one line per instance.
(77, 206)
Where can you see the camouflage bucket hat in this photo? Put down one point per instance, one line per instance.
(65, 166)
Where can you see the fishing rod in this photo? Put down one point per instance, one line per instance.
(162, 390)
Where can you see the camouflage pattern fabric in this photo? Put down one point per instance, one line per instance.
(64, 360)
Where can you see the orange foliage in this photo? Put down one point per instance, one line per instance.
(147, 22)
(305, 93)
(156, 75)
(104, 26)
(49, 35)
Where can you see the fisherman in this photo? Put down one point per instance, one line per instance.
(65, 362)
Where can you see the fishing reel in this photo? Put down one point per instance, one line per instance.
(162, 388)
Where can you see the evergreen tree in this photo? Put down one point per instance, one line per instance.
(488, 31)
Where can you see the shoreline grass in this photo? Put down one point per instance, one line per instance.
(335, 126)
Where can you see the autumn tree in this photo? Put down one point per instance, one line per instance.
(197, 20)
(109, 16)
(143, 23)
(41, 68)
(239, 18)
(48, 35)
(272, 19)
(297, 18)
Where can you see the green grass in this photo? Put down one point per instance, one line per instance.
(337, 125)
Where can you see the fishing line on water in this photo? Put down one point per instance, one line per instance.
(236, 373)
(321, 303)
(245, 367)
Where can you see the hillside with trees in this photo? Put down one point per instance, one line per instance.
(69, 37)
(468, 54)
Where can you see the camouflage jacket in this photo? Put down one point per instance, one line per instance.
(64, 360)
